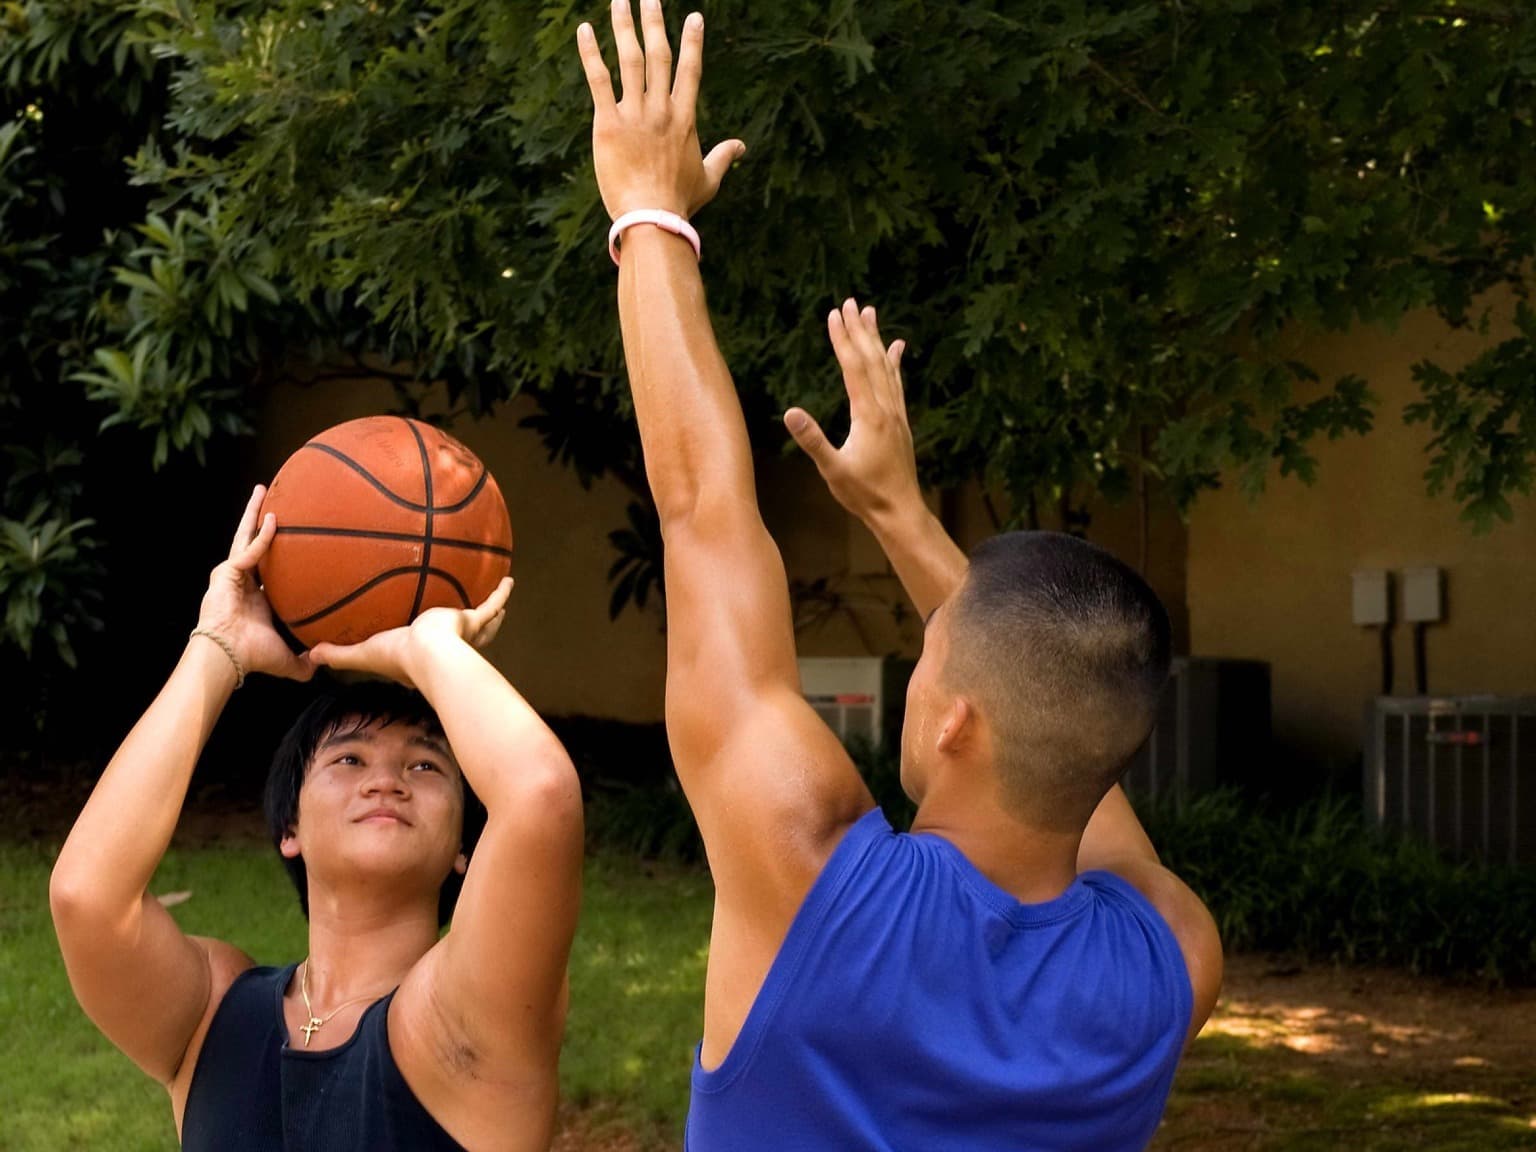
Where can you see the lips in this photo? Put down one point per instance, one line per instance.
(382, 815)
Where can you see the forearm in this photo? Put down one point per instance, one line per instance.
(501, 744)
(121, 835)
(929, 564)
(697, 455)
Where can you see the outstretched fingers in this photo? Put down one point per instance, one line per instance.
(599, 81)
(690, 65)
(247, 530)
(840, 328)
(882, 364)
(893, 356)
(631, 57)
(658, 52)
(805, 432)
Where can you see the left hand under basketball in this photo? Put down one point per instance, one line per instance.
(396, 652)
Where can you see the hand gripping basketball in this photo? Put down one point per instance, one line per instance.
(234, 610)
(395, 653)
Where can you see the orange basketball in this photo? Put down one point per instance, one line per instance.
(378, 520)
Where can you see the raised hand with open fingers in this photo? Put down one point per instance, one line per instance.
(645, 143)
(875, 470)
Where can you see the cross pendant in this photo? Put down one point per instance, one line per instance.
(311, 1028)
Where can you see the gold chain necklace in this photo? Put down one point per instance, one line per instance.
(315, 1022)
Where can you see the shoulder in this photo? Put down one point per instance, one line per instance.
(1187, 918)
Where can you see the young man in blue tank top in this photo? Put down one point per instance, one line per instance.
(389, 1034)
(1018, 973)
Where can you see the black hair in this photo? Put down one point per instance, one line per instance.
(349, 707)
(1066, 649)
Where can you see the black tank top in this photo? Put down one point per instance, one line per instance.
(251, 1092)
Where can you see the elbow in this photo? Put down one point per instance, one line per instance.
(554, 789)
(545, 783)
(71, 896)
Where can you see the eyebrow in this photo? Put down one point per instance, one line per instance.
(432, 743)
(365, 735)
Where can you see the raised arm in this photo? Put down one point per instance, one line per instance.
(117, 940)
(491, 993)
(770, 785)
(874, 476)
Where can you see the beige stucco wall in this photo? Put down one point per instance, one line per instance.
(1272, 579)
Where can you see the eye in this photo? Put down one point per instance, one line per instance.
(347, 758)
(425, 766)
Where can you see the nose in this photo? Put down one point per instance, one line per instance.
(386, 780)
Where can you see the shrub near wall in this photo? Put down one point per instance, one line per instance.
(1321, 882)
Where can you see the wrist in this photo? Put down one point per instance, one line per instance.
(207, 638)
(901, 518)
(660, 219)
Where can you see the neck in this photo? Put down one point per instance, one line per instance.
(1030, 864)
(361, 950)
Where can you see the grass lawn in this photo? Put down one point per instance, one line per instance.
(1287, 1064)
(636, 1009)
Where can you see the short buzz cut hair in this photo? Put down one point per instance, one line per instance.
(351, 707)
(1065, 651)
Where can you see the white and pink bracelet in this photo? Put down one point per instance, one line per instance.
(666, 221)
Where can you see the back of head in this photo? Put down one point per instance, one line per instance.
(351, 706)
(1064, 650)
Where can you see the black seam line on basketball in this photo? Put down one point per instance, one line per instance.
(447, 577)
(392, 497)
(409, 537)
(426, 539)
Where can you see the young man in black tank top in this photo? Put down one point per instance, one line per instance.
(386, 1036)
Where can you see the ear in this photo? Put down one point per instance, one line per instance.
(288, 846)
(958, 728)
(461, 863)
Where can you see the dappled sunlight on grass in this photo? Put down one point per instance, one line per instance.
(1439, 1100)
(1318, 1030)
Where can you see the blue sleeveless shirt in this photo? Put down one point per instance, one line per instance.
(914, 1006)
(252, 1092)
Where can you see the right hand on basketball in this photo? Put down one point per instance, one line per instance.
(875, 471)
(646, 145)
(235, 607)
(397, 652)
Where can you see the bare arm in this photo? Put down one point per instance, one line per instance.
(115, 937)
(492, 990)
(770, 785)
(874, 476)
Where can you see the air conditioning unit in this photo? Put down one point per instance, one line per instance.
(1459, 772)
(1213, 729)
(861, 698)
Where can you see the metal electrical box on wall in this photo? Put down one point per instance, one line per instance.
(1423, 599)
(1372, 599)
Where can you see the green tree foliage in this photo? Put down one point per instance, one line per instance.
(1102, 226)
